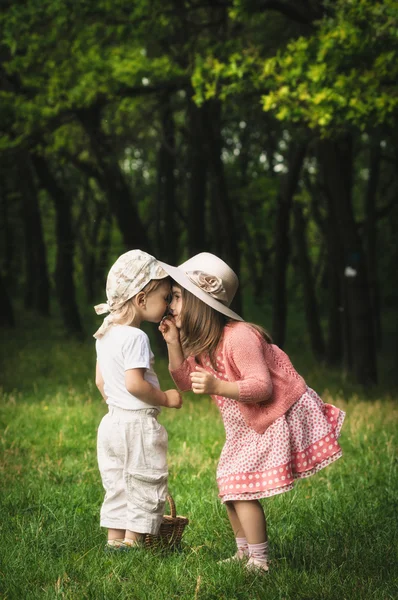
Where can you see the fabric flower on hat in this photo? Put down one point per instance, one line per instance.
(211, 284)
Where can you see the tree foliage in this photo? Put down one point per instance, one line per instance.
(261, 130)
(343, 73)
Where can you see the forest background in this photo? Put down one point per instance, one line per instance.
(264, 131)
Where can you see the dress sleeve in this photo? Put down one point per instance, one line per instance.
(181, 376)
(244, 349)
(136, 351)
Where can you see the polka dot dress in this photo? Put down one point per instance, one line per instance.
(297, 445)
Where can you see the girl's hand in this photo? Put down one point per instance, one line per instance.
(173, 399)
(169, 331)
(203, 382)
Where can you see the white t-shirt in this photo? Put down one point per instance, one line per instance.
(122, 348)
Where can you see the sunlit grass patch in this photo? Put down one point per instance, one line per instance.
(334, 536)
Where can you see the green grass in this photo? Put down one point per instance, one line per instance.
(333, 537)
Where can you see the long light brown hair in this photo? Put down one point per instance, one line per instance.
(202, 327)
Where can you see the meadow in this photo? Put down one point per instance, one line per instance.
(333, 537)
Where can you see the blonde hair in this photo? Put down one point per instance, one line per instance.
(202, 327)
(126, 313)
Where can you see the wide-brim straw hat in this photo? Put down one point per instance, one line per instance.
(208, 278)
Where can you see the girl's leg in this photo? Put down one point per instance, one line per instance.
(241, 543)
(250, 515)
(234, 520)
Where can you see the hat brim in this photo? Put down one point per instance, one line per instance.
(183, 280)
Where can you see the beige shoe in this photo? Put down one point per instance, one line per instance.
(116, 546)
(237, 557)
(133, 543)
(257, 565)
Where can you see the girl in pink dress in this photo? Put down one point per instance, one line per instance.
(277, 428)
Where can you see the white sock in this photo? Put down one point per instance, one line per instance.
(259, 551)
(241, 543)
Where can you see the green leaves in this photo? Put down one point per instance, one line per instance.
(60, 57)
(345, 74)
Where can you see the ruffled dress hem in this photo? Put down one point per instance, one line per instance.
(253, 485)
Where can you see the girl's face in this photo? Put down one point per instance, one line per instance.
(175, 306)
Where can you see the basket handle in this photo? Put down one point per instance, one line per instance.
(172, 505)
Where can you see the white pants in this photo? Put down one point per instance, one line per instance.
(132, 459)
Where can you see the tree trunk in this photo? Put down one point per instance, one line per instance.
(198, 179)
(166, 196)
(7, 318)
(7, 244)
(339, 323)
(370, 236)
(216, 242)
(310, 301)
(37, 285)
(64, 282)
(104, 244)
(288, 188)
(336, 159)
(249, 221)
(334, 347)
(113, 182)
(328, 228)
(337, 333)
(88, 232)
(228, 231)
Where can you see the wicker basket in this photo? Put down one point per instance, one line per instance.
(171, 530)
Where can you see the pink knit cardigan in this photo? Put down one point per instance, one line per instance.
(267, 381)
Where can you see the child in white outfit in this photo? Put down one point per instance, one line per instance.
(132, 444)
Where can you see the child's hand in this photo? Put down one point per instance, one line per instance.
(173, 399)
(203, 382)
(169, 330)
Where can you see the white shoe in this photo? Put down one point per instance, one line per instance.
(257, 564)
(237, 557)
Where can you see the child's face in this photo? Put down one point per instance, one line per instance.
(156, 303)
(176, 305)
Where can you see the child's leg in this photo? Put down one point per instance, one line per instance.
(234, 520)
(252, 519)
(133, 538)
(115, 539)
(241, 543)
(124, 539)
(145, 474)
(110, 462)
(116, 534)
